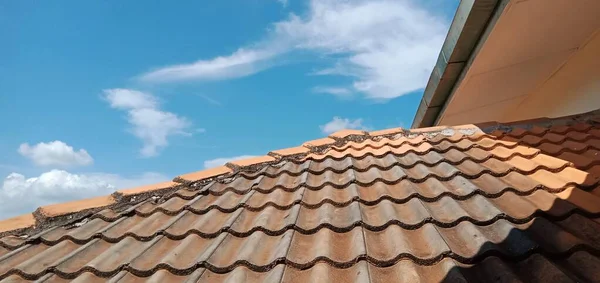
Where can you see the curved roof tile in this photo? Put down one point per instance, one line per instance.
(465, 203)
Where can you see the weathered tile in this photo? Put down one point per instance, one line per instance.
(428, 207)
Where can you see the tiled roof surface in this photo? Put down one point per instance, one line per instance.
(509, 203)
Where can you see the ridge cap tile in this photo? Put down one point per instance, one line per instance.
(385, 132)
(347, 132)
(252, 160)
(60, 209)
(469, 129)
(427, 129)
(147, 188)
(487, 125)
(18, 222)
(205, 174)
(319, 142)
(535, 125)
(291, 151)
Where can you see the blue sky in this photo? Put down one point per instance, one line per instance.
(98, 95)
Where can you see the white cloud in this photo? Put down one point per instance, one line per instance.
(148, 123)
(221, 161)
(154, 126)
(56, 153)
(283, 2)
(342, 123)
(126, 99)
(241, 63)
(19, 195)
(341, 92)
(387, 47)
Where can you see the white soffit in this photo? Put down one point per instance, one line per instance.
(531, 41)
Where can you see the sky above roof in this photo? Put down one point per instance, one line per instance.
(96, 96)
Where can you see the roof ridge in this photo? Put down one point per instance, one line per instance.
(68, 212)
(320, 145)
(65, 213)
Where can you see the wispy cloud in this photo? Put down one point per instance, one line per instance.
(55, 153)
(210, 100)
(341, 92)
(241, 63)
(338, 123)
(388, 48)
(222, 160)
(148, 123)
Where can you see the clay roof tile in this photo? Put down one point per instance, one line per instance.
(437, 205)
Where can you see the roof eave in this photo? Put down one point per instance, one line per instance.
(472, 22)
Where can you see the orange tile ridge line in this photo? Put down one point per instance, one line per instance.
(64, 213)
(60, 214)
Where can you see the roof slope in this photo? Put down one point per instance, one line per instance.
(502, 202)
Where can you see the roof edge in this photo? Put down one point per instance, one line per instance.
(470, 27)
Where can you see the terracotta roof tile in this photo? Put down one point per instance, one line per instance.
(451, 204)
(391, 131)
(17, 222)
(319, 142)
(345, 133)
(594, 132)
(148, 188)
(324, 272)
(253, 160)
(291, 151)
(581, 199)
(428, 129)
(53, 210)
(537, 130)
(205, 174)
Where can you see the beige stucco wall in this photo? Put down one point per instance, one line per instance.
(573, 89)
